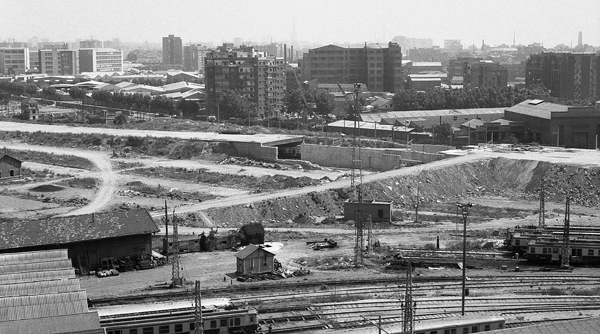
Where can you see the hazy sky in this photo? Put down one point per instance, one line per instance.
(318, 21)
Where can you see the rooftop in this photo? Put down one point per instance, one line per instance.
(538, 108)
(244, 253)
(63, 230)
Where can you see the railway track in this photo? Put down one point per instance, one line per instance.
(365, 313)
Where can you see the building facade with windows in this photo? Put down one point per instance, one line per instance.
(572, 76)
(14, 61)
(100, 60)
(172, 50)
(258, 78)
(377, 66)
(59, 62)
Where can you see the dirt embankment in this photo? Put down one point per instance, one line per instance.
(513, 179)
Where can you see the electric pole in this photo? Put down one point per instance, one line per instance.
(564, 263)
(166, 245)
(408, 316)
(176, 278)
(542, 218)
(198, 310)
(465, 212)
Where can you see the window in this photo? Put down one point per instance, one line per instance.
(192, 326)
(164, 329)
(486, 328)
(178, 328)
(237, 321)
(466, 330)
(223, 322)
(433, 332)
(453, 331)
(133, 331)
(148, 330)
(213, 324)
(118, 331)
(532, 250)
(590, 252)
(251, 319)
(555, 250)
(517, 242)
(474, 329)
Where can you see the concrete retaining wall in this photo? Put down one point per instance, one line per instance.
(256, 151)
(372, 158)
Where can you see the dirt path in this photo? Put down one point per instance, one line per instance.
(108, 179)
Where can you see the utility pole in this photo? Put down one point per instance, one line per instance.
(176, 278)
(542, 218)
(564, 263)
(199, 328)
(408, 316)
(465, 212)
(359, 244)
(166, 244)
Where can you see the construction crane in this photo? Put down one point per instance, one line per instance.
(176, 277)
(564, 263)
(307, 106)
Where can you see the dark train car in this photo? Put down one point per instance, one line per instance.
(517, 239)
(218, 317)
(582, 251)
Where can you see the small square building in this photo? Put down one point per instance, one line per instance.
(30, 109)
(379, 211)
(254, 259)
(9, 166)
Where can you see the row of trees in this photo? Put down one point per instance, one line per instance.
(136, 101)
(493, 97)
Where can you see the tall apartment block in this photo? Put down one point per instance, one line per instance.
(571, 76)
(59, 62)
(172, 50)
(477, 72)
(260, 79)
(377, 66)
(14, 61)
(100, 60)
(193, 57)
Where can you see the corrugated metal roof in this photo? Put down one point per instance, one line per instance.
(369, 125)
(57, 285)
(539, 109)
(577, 326)
(53, 254)
(63, 230)
(35, 266)
(417, 114)
(42, 306)
(36, 275)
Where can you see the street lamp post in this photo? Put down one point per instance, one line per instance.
(465, 212)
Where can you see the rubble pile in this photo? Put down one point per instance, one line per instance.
(274, 275)
(241, 161)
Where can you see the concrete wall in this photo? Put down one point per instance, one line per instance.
(372, 158)
(256, 151)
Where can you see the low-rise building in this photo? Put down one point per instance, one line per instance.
(30, 109)
(9, 166)
(100, 60)
(88, 238)
(254, 259)
(377, 211)
(14, 61)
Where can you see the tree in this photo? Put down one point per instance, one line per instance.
(30, 89)
(325, 103)
(120, 119)
(232, 104)
(49, 92)
(443, 133)
(77, 93)
(293, 101)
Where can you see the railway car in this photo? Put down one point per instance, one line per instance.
(582, 251)
(517, 239)
(460, 325)
(219, 316)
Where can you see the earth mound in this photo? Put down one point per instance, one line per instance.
(47, 188)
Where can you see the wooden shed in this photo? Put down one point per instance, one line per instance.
(9, 166)
(254, 259)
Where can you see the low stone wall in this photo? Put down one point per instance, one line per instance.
(428, 148)
(372, 158)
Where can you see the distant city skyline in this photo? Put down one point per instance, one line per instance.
(311, 22)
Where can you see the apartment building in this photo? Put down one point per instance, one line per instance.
(377, 66)
(59, 62)
(193, 57)
(569, 75)
(172, 50)
(100, 60)
(477, 72)
(260, 79)
(14, 61)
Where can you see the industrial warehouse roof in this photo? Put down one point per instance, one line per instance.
(538, 108)
(244, 253)
(576, 326)
(54, 302)
(416, 114)
(369, 125)
(64, 230)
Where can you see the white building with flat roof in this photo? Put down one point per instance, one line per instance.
(100, 60)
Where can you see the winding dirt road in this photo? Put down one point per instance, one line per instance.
(105, 174)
